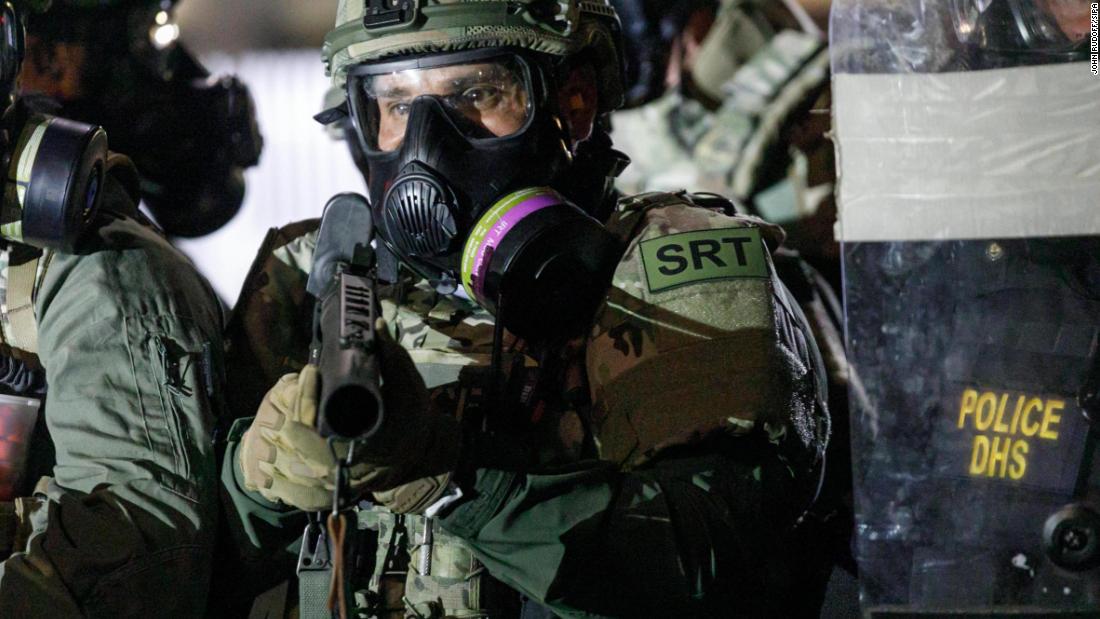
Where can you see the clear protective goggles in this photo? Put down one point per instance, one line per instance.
(493, 94)
(1042, 26)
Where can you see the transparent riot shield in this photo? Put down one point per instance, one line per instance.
(968, 142)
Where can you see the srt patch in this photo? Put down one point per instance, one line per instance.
(688, 257)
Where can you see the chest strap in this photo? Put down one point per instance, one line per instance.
(20, 326)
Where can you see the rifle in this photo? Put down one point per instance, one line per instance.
(350, 404)
(344, 349)
(344, 281)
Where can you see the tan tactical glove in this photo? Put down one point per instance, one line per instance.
(284, 458)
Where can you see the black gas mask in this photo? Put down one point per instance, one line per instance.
(190, 135)
(55, 167)
(463, 152)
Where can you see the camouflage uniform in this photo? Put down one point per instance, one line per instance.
(695, 516)
(129, 337)
(765, 144)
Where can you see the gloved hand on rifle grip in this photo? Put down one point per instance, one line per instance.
(284, 458)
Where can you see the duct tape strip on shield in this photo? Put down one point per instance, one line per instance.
(1006, 153)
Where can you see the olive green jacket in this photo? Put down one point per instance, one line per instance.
(129, 335)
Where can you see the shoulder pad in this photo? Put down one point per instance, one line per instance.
(695, 334)
(631, 213)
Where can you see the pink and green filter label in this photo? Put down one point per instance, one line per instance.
(493, 226)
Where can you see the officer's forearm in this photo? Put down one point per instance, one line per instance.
(264, 536)
(581, 541)
(693, 533)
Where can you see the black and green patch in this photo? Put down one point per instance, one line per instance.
(688, 257)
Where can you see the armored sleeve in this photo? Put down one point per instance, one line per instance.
(128, 335)
(705, 532)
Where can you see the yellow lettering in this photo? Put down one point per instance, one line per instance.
(998, 425)
(998, 456)
(969, 401)
(980, 455)
(1016, 414)
(987, 401)
(1051, 419)
(1002, 454)
(1019, 462)
(1034, 404)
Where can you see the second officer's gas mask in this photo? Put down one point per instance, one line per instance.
(191, 135)
(463, 151)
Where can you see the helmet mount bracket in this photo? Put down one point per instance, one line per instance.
(389, 13)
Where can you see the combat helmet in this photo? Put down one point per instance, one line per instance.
(375, 30)
(461, 110)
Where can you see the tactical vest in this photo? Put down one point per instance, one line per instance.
(22, 269)
(450, 340)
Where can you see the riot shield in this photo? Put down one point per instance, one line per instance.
(969, 215)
